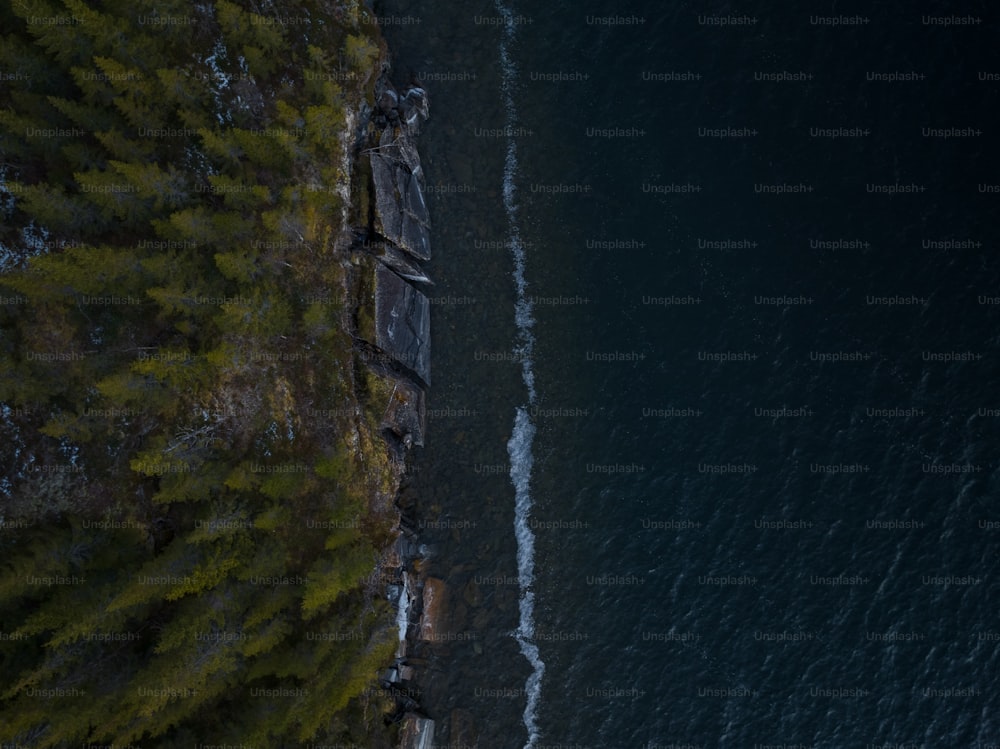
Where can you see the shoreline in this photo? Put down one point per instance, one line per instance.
(454, 663)
(387, 240)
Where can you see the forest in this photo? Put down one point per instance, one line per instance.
(188, 551)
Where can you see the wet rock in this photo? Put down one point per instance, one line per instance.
(388, 100)
(403, 322)
(399, 149)
(413, 197)
(411, 106)
(406, 153)
(401, 214)
(416, 732)
(414, 106)
(414, 237)
(400, 209)
(432, 621)
(398, 262)
(388, 211)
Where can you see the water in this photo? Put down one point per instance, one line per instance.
(710, 467)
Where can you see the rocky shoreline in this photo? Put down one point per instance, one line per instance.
(390, 323)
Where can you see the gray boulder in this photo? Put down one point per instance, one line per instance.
(399, 262)
(401, 214)
(413, 106)
(402, 323)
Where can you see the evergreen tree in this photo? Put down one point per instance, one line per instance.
(172, 193)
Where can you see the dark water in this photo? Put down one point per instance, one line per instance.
(763, 488)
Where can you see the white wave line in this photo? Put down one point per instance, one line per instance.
(520, 445)
(521, 460)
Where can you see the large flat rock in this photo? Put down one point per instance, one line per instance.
(401, 214)
(402, 322)
(388, 207)
(402, 264)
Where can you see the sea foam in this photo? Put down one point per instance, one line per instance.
(520, 445)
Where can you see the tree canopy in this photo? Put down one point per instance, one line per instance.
(184, 541)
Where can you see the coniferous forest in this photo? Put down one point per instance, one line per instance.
(186, 536)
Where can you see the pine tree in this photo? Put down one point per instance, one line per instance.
(167, 189)
(329, 579)
(62, 214)
(213, 239)
(60, 40)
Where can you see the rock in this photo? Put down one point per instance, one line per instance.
(386, 144)
(390, 676)
(393, 258)
(405, 415)
(402, 323)
(432, 620)
(413, 106)
(406, 548)
(397, 147)
(413, 198)
(388, 100)
(400, 209)
(416, 732)
(401, 214)
(406, 152)
(388, 211)
(415, 238)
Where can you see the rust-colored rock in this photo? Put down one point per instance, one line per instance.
(416, 732)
